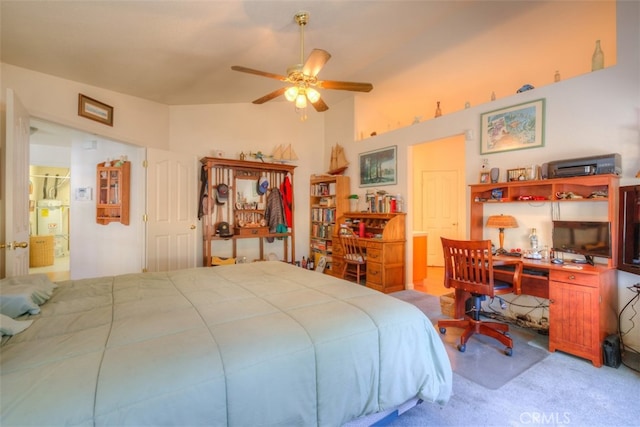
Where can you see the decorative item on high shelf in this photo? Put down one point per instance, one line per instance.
(339, 162)
(438, 110)
(597, 60)
(525, 88)
(284, 154)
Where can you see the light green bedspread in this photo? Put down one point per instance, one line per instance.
(242, 345)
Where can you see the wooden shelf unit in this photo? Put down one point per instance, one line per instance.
(547, 191)
(243, 216)
(328, 200)
(384, 245)
(113, 184)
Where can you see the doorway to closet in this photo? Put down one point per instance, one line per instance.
(439, 200)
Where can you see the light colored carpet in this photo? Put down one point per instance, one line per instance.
(484, 361)
(560, 390)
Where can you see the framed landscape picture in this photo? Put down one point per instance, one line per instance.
(378, 167)
(512, 128)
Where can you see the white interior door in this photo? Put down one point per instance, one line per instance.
(16, 184)
(172, 215)
(439, 210)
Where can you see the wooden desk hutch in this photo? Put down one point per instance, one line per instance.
(582, 303)
(245, 207)
(384, 245)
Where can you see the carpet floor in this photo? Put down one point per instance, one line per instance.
(483, 361)
(558, 390)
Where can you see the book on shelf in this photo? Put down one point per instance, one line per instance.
(381, 203)
(323, 214)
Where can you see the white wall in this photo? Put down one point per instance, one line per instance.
(591, 114)
(237, 128)
(595, 113)
(136, 121)
(105, 250)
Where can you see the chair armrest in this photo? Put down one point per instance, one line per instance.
(517, 273)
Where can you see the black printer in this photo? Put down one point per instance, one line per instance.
(595, 165)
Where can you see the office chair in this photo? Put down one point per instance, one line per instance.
(468, 267)
(354, 257)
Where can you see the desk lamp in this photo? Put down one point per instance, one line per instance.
(501, 222)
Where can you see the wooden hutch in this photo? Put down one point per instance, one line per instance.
(113, 185)
(245, 206)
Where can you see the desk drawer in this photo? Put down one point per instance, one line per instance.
(374, 273)
(337, 251)
(374, 255)
(337, 265)
(573, 276)
(374, 245)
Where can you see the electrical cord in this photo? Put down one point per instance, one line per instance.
(634, 288)
(521, 320)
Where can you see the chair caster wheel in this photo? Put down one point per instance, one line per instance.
(462, 348)
(508, 351)
(443, 331)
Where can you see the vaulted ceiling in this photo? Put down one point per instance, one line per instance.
(413, 52)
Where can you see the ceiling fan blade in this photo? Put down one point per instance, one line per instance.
(353, 86)
(320, 106)
(270, 96)
(316, 60)
(258, 72)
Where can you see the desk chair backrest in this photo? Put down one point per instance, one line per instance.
(354, 256)
(353, 252)
(468, 265)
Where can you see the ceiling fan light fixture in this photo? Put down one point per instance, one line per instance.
(302, 79)
(313, 95)
(291, 93)
(301, 100)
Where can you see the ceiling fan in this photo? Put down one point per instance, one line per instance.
(303, 77)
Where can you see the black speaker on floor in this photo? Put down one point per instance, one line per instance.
(611, 351)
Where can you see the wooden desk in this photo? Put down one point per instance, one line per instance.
(385, 265)
(385, 254)
(582, 304)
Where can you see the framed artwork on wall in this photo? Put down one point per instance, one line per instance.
(95, 110)
(378, 167)
(513, 128)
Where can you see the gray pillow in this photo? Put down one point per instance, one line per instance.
(8, 326)
(24, 294)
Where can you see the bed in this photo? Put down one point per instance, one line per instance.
(264, 343)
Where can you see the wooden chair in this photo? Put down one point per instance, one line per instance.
(468, 267)
(355, 260)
